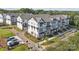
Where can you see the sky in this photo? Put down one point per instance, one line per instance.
(59, 9)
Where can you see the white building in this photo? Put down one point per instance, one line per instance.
(36, 27)
(22, 20)
(1, 18)
(42, 24)
(45, 24)
(11, 18)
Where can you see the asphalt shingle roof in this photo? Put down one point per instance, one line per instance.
(25, 16)
(45, 17)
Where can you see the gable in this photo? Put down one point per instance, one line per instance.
(41, 20)
(32, 21)
(19, 19)
(8, 17)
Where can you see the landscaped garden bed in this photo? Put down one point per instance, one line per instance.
(34, 39)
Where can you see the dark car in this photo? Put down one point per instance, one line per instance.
(13, 44)
(10, 38)
(12, 41)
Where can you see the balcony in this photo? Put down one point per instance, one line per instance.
(48, 25)
(42, 30)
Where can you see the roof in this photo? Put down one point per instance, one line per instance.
(13, 14)
(38, 17)
(45, 17)
(48, 18)
(25, 16)
(59, 17)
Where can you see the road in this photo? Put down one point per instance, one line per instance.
(31, 44)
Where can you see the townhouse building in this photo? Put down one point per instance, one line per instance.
(22, 21)
(37, 25)
(42, 24)
(11, 18)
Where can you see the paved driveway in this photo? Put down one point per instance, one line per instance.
(31, 44)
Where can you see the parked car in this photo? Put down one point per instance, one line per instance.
(10, 38)
(12, 43)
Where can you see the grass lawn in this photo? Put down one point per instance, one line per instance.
(59, 46)
(21, 48)
(5, 33)
(2, 49)
(51, 41)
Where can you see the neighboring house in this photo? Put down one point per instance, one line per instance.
(36, 27)
(11, 18)
(22, 20)
(1, 18)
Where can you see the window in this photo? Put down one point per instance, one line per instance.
(34, 28)
(31, 32)
(41, 24)
(8, 19)
(48, 24)
(25, 24)
(31, 27)
(31, 23)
